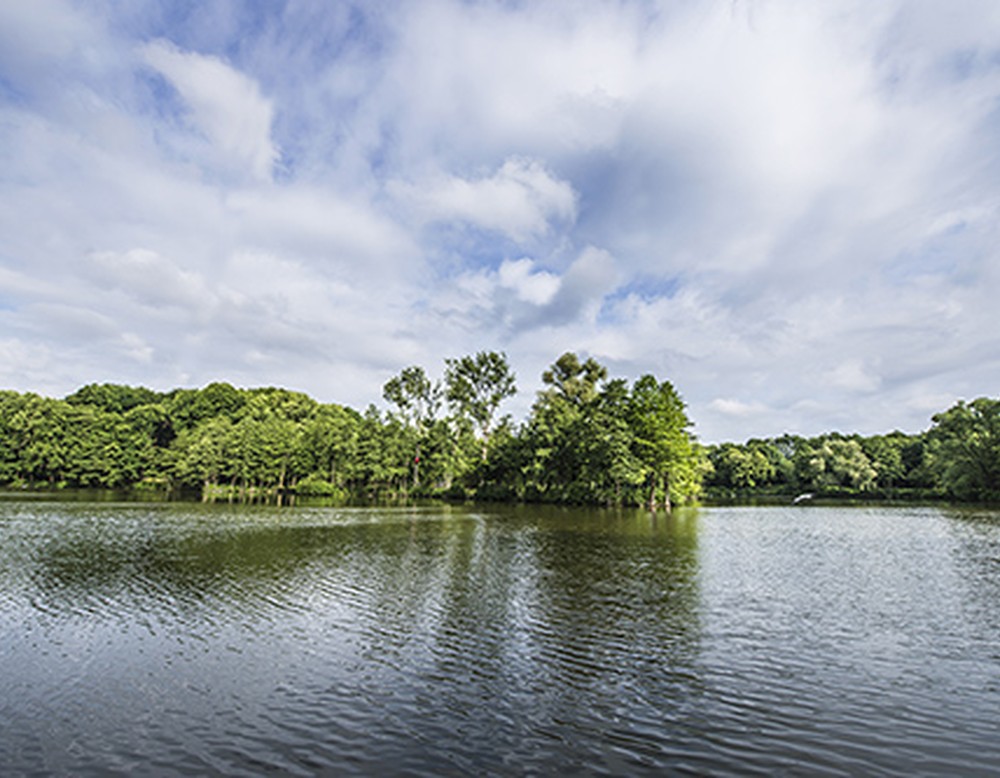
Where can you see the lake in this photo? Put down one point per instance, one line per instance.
(159, 639)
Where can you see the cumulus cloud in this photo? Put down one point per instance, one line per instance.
(583, 287)
(518, 297)
(529, 284)
(225, 105)
(521, 200)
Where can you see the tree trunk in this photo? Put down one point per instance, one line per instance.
(652, 492)
(666, 491)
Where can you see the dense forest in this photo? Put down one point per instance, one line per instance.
(588, 439)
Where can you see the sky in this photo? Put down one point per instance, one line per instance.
(788, 210)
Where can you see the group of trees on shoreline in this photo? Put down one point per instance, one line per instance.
(957, 458)
(588, 439)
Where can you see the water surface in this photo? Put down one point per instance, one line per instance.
(165, 638)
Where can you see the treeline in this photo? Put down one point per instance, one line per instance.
(957, 458)
(588, 439)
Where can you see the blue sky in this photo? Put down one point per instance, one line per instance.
(787, 209)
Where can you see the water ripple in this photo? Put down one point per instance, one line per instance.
(175, 640)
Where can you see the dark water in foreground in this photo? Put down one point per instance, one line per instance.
(170, 639)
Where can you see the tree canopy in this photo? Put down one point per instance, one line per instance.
(588, 439)
(476, 387)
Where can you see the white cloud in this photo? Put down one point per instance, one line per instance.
(786, 209)
(225, 104)
(521, 200)
(26, 364)
(732, 407)
(854, 376)
(335, 231)
(149, 278)
(475, 78)
(518, 297)
(530, 285)
(134, 347)
(584, 285)
(49, 27)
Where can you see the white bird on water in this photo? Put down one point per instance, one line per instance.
(803, 498)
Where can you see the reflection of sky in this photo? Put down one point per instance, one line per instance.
(789, 214)
(521, 639)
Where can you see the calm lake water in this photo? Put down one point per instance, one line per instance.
(177, 639)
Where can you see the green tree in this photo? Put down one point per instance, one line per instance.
(114, 398)
(381, 455)
(848, 465)
(574, 381)
(747, 466)
(188, 407)
(965, 449)
(885, 452)
(566, 434)
(37, 429)
(418, 400)
(476, 385)
(660, 425)
(613, 461)
(329, 444)
(207, 453)
(262, 448)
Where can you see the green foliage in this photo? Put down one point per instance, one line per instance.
(745, 467)
(187, 407)
(416, 397)
(597, 441)
(588, 439)
(477, 385)
(662, 442)
(965, 449)
(315, 486)
(418, 401)
(113, 397)
(328, 445)
(889, 465)
(573, 381)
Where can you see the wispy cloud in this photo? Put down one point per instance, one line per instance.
(225, 105)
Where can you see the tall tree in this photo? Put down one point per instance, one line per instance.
(476, 385)
(575, 381)
(329, 445)
(663, 443)
(569, 431)
(418, 400)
